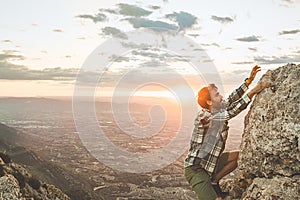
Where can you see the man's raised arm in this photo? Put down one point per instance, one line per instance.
(236, 107)
(240, 91)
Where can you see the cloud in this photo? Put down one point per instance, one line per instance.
(223, 20)
(7, 41)
(295, 57)
(57, 30)
(154, 7)
(289, 1)
(185, 20)
(5, 57)
(160, 55)
(114, 32)
(198, 49)
(289, 32)
(143, 55)
(147, 54)
(153, 63)
(12, 71)
(249, 39)
(116, 58)
(132, 45)
(194, 35)
(111, 11)
(20, 72)
(138, 18)
(252, 48)
(10, 51)
(212, 44)
(277, 59)
(208, 60)
(58, 73)
(132, 10)
(123, 9)
(100, 17)
(242, 62)
(158, 26)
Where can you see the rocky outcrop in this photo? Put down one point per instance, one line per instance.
(9, 187)
(270, 153)
(16, 183)
(12, 143)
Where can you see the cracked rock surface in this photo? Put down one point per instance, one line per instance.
(270, 154)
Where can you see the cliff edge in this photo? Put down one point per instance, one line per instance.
(269, 161)
(16, 183)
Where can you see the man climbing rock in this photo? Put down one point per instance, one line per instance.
(206, 163)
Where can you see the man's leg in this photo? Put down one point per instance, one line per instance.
(201, 184)
(229, 165)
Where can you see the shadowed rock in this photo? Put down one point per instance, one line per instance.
(17, 183)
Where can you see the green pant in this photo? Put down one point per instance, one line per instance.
(201, 184)
(201, 181)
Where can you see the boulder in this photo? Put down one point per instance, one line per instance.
(9, 188)
(16, 183)
(271, 137)
(270, 153)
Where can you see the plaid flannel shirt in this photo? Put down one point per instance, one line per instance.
(211, 130)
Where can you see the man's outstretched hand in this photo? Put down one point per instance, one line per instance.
(254, 71)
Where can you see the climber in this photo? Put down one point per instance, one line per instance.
(206, 163)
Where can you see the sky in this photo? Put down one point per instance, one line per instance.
(44, 45)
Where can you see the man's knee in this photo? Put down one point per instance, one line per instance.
(200, 182)
(204, 189)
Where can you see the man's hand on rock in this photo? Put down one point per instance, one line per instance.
(258, 88)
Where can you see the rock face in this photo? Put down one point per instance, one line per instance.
(274, 188)
(271, 136)
(9, 187)
(17, 184)
(270, 153)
